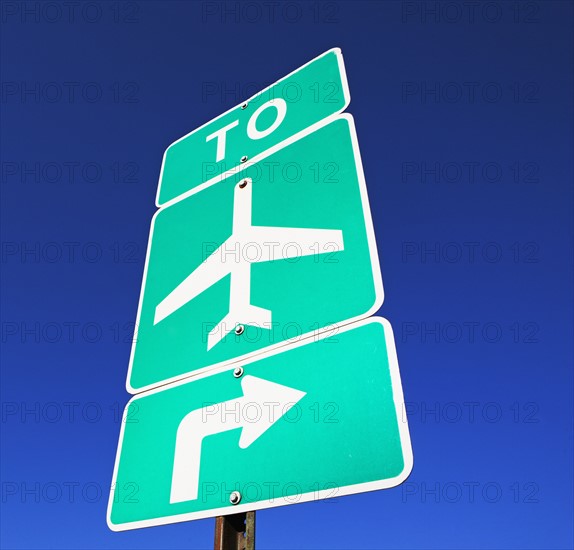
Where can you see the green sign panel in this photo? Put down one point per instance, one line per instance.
(280, 250)
(318, 419)
(305, 97)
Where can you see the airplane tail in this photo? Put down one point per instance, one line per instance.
(247, 315)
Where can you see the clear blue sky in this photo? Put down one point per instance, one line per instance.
(464, 117)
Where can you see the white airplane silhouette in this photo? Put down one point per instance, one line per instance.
(293, 243)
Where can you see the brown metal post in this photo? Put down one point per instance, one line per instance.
(235, 532)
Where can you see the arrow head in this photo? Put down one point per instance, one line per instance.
(271, 400)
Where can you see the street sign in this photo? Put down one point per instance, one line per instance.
(318, 419)
(276, 251)
(303, 98)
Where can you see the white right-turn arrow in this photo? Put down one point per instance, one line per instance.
(271, 398)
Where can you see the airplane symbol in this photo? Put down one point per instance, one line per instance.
(214, 268)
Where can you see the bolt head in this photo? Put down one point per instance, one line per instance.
(235, 497)
(244, 106)
(239, 329)
(238, 372)
(243, 183)
(244, 158)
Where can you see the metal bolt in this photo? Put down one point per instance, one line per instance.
(238, 372)
(244, 158)
(239, 329)
(244, 183)
(235, 497)
(244, 106)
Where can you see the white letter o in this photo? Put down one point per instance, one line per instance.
(281, 107)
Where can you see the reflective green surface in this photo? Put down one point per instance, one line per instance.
(313, 183)
(311, 94)
(345, 431)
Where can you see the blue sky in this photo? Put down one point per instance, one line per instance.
(464, 119)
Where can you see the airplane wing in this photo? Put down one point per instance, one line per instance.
(212, 270)
(280, 243)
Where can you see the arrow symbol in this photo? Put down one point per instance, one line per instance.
(202, 422)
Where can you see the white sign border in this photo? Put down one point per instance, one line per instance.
(404, 436)
(346, 95)
(372, 243)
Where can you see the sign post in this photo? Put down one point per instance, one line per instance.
(235, 532)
